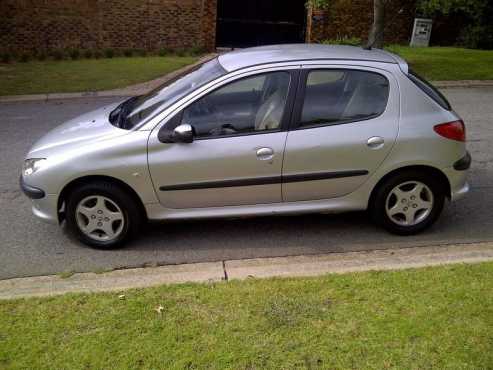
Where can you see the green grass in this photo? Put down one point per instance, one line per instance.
(447, 63)
(414, 319)
(50, 76)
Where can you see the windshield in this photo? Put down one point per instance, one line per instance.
(135, 110)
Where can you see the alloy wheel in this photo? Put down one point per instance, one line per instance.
(409, 203)
(100, 218)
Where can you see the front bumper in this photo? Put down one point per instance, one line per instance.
(31, 191)
(44, 206)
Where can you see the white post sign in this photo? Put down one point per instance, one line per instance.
(421, 32)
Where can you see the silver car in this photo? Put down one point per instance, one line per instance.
(270, 130)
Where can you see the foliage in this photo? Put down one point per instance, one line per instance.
(25, 57)
(88, 54)
(74, 54)
(478, 13)
(5, 57)
(472, 8)
(344, 40)
(109, 53)
(58, 54)
(128, 52)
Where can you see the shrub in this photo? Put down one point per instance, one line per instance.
(74, 54)
(5, 57)
(41, 55)
(24, 58)
(109, 53)
(88, 54)
(344, 40)
(165, 52)
(477, 37)
(128, 52)
(98, 54)
(141, 52)
(196, 50)
(58, 54)
(181, 52)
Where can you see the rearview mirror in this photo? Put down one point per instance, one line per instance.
(181, 134)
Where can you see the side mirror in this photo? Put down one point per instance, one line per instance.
(181, 134)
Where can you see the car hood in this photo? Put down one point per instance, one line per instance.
(83, 129)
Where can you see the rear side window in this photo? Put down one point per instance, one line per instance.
(429, 90)
(343, 96)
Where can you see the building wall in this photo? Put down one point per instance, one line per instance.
(353, 18)
(28, 25)
(33, 25)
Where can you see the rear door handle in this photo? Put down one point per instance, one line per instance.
(265, 154)
(375, 142)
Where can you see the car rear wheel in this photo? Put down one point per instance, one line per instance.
(102, 215)
(408, 202)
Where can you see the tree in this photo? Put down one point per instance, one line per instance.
(375, 38)
(478, 34)
(376, 35)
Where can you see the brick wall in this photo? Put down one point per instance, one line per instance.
(28, 25)
(353, 18)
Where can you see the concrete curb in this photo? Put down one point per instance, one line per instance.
(296, 266)
(462, 84)
(138, 89)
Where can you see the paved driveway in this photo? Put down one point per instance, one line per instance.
(29, 247)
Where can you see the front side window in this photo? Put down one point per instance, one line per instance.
(341, 96)
(250, 105)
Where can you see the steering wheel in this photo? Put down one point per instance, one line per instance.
(225, 129)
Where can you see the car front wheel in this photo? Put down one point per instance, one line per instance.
(102, 215)
(408, 203)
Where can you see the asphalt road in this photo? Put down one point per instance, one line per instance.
(29, 247)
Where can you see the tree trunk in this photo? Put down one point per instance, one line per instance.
(375, 39)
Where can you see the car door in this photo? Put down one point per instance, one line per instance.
(344, 125)
(240, 131)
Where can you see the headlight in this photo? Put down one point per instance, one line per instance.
(32, 165)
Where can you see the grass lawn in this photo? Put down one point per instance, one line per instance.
(50, 76)
(447, 63)
(415, 319)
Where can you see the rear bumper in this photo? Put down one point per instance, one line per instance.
(464, 163)
(457, 176)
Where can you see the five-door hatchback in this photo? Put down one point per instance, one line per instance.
(269, 130)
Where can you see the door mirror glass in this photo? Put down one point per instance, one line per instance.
(183, 133)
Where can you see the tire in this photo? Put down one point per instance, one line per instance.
(403, 207)
(109, 211)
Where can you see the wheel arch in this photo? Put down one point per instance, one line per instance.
(68, 188)
(432, 171)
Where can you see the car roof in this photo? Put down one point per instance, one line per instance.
(244, 58)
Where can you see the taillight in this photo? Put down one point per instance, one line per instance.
(452, 130)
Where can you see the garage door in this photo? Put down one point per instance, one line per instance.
(260, 22)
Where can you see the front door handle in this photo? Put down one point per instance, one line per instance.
(265, 154)
(375, 142)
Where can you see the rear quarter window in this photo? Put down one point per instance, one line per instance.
(429, 90)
